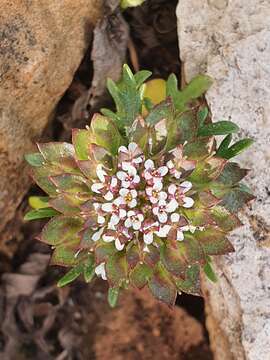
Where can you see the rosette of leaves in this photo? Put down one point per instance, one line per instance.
(142, 201)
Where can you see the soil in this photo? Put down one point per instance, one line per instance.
(40, 321)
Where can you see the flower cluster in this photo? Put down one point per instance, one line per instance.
(142, 202)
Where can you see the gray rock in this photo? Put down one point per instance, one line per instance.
(230, 41)
(41, 46)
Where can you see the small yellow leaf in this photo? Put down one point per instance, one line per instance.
(155, 90)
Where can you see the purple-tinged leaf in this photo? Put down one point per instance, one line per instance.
(162, 287)
(64, 256)
(106, 133)
(72, 184)
(71, 275)
(133, 255)
(62, 229)
(140, 275)
(214, 241)
(81, 139)
(35, 159)
(65, 204)
(40, 214)
(224, 219)
(103, 251)
(116, 269)
(174, 260)
(191, 284)
(113, 294)
(54, 152)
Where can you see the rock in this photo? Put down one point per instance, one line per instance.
(142, 328)
(230, 40)
(41, 45)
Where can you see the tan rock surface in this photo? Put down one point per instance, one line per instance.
(41, 46)
(230, 40)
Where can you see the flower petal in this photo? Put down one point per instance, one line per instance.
(121, 175)
(172, 189)
(172, 206)
(188, 202)
(149, 164)
(123, 192)
(162, 217)
(114, 220)
(123, 149)
(101, 173)
(108, 238)
(132, 203)
(97, 235)
(107, 207)
(97, 187)
(163, 170)
(136, 224)
(163, 231)
(179, 236)
(100, 271)
(108, 196)
(132, 147)
(118, 245)
(148, 238)
(187, 185)
(175, 217)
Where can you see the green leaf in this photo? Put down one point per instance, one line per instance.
(209, 272)
(196, 88)
(174, 259)
(40, 214)
(224, 219)
(172, 86)
(130, 3)
(38, 202)
(64, 256)
(162, 286)
(72, 184)
(191, 284)
(202, 115)
(236, 198)
(237, 148)
(128, 99)
(81, 140)
(113, 294)
(116, 269)
(140, 275)
(70, 276)
(141, 76)
(62, 229)
(35, 159)
(224, 145)
(89, 269)
(231, 174)
(214, 241)
(106, 133)
(66, 204)
(159, 112)
(218, 128)
(54, 152)
(104, 251)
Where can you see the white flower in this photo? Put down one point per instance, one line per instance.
(134, 220)
(97, 235)
(120, 236)
(107, 186)
(116, 211)
(162, 208)
(149, 227)
(100, 271)
(132, 154)
(178, 193)
(100, 218)
(172, 169)
(172, 230)
(128, 197)
(129, 177)
(155, 195)
(154, 176)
